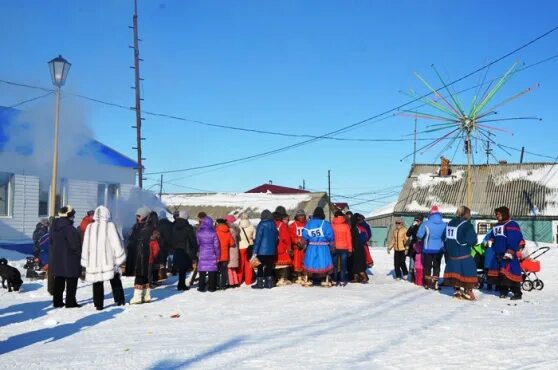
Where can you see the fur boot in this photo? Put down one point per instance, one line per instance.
(138, 295)
(146, 294)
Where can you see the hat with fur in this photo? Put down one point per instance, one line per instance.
(143, 212)
(66, 211)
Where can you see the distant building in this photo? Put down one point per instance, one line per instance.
(530, 190)
(218, 205)
(276, 189)
(340, 206)
(97, 175)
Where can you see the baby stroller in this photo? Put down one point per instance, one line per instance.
(530, 265)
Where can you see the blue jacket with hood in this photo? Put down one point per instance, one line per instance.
(431, 233)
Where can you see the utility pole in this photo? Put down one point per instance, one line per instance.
(415, 144)
(137, 108)
(161, 187)
(329, 193)
(522, 152)
(488, 151)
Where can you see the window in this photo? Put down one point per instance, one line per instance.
(44, 195)
(43, 198)
(6, 193)
(484, 227)
(107, 194)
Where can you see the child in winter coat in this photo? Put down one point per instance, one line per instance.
(283, 259)
(226, 242)
(398, 244)
(208, 256)
(101, 255)
(296, 242)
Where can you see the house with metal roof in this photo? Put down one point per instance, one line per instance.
(529, 190)
(93, 174)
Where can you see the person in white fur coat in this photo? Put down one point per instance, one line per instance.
(102, 254)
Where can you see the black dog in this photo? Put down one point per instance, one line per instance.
(11, 274)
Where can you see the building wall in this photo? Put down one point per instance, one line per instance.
(82, 196)
(537, 230)
(19, 226)
(21, 223)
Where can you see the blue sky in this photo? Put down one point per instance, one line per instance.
(305, 67)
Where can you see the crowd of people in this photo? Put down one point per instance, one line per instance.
(226, 253)
(426, 243)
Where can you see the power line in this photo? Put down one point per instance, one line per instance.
(375, 118)
(25, 85)
(276, 133)
(29, 100)
(370, 120)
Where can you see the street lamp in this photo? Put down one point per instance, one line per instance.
(59, 68)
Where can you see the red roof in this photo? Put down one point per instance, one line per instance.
(341, 205)
(276, 189)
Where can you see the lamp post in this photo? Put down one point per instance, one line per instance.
(59, 68)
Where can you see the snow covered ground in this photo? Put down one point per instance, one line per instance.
(384, 325)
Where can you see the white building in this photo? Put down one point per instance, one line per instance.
(95, 174)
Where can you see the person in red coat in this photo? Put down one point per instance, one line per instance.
(343, 248)
(226, 241)
(296, 242)
(88, 219)
(283, 260)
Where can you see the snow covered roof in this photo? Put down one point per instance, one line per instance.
(382, 211)
(221, 204)
(527, 189)
(93, 149)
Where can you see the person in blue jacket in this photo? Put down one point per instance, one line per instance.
(504, 270)
(318, 234)
(461, 270)
(265, 246)
(431, 233)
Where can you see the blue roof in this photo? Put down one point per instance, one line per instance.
(101, 153)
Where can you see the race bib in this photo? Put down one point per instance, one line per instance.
(498, 230)
(451, 232)
(299, 231)
(315, 232)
